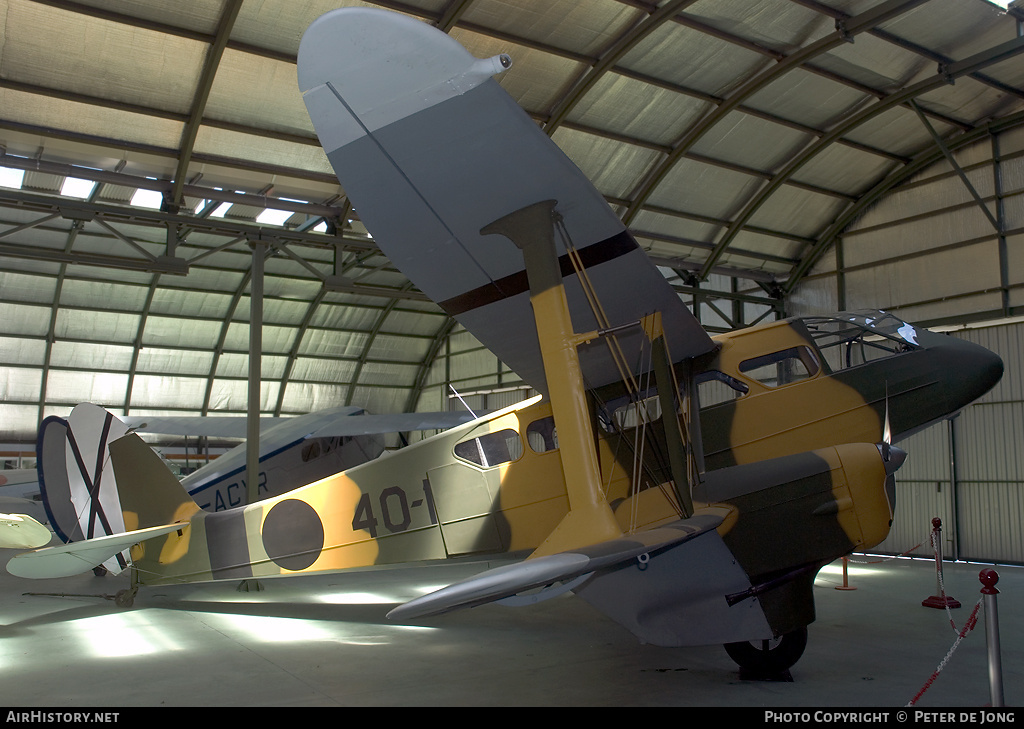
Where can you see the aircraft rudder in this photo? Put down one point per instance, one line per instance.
(150, 494)
(54, 488)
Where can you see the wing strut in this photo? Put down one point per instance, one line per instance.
(681, 454)
(684, 455)
(590, 519)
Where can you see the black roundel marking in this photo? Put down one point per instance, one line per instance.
(293, 534)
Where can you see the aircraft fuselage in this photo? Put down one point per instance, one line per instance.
(495, 485)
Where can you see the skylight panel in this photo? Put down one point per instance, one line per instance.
(147, 199)
(273, 217)
(277, 217)
(76, 187)
(11, 178)
(221, 210)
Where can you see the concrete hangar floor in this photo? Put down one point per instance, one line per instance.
(324, 641)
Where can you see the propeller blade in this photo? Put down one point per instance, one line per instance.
(886, 430)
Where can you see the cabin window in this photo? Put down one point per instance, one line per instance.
(634, 414)
(316, 447)
(491, 449)
(542, 435)
(781, 368)
(715, 388)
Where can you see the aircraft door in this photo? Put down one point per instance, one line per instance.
(465, 504)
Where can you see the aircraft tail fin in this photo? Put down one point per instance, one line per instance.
(80, 488)
(75, 479)
(150, 494)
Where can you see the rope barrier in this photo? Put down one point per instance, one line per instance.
(941, 600)
(892, 556)
(988, 578)
(848, 560)
(968, 627)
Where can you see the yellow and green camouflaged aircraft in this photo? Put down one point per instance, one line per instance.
(688, 486)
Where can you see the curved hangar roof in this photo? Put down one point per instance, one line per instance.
(736, 139)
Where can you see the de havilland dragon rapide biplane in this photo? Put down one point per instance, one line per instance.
(690, 487)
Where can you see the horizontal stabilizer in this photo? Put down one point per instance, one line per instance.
(509, 580)
(20, 531)
(76, 557)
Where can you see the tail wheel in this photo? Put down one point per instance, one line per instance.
(769, 656)
(126, 598)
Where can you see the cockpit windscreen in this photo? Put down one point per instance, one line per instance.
(854, 338)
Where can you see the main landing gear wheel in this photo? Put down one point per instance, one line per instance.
(769, 657)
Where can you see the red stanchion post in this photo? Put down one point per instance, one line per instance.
(989, 578)
(846, 581)
(940, 599)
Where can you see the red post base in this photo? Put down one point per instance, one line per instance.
(941, 602)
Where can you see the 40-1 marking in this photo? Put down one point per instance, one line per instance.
(395, 510)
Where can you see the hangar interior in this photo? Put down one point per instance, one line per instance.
(773, 158)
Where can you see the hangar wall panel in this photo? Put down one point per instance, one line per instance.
(17, 419)
(923, 491)
(969, 472)
(927, 250)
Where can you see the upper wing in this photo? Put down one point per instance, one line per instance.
(430, 149)
(343, 421)
(19, 482)
(212, 426)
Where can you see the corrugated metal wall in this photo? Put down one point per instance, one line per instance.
(969, 471)
(927, 252)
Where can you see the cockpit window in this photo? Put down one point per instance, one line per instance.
(714, 388)
(854, 338)
(491, 449)
(781, 368)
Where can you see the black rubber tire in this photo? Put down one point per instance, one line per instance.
(768, 657)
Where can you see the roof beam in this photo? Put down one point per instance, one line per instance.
(455, 10)
(945, 75)
(607, 62)
(876, 15)
(920, 162)
(202, 95)
(956, 167)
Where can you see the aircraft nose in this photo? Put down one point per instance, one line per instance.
(971, 371)
(965, 370)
